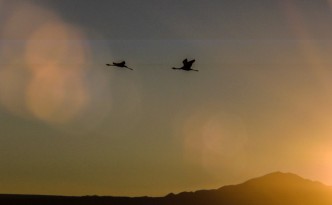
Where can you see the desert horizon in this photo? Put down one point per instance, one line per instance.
(276, 173)
(273, 188)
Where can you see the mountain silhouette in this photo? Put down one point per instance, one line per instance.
(272, 189)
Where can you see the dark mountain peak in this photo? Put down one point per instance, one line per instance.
(281, 175)
(282, 180)
(276, 177)
(278, 188)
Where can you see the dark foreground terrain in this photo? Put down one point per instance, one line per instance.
(272, 189)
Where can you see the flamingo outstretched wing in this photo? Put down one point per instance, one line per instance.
(190, 63)
(185, 61)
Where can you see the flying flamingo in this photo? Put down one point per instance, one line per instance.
(186, 65)
(120, 65)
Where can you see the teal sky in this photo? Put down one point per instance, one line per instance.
(69, 125)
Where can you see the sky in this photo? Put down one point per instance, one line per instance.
(261, 101)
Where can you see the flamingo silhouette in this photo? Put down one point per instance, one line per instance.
(120, 65)
(186, 65)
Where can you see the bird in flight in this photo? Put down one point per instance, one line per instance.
(186, 65)
(120, 65)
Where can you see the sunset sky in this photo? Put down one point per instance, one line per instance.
(69, 125)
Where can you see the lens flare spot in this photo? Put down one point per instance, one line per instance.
(13, 82)
(24, 19)
(63, 50)
(213, 140)
(45, 72)
(309, 49)
(55, 95)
